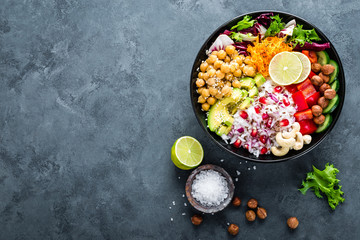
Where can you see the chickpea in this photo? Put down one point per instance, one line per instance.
(238, 60)
(209, 67)
(250, 215)
(234, 66)
(219, 95)
(252, 203)
(221, 54)
(235, 54)
(227, 59)
(229, 93)
(200, 82)
(220, 74)
(237, 73)
(236, 84)
(249, 71)
(220, 84)
(201, 99)
(242, 57)
(205, 106)
(211, 59)
(200, 90)
(205, 93)
(214, 52)
(201, 75)
(206, 75)
(210, 81)
(226, 89)
(228, 84)
(203, 66)
(213, 91)
(217, 64)
(211, 72)
(211, 100)
(229, 76)
(225, 68)
(230, 49)
(248, 60)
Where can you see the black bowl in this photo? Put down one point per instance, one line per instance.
(241, 152)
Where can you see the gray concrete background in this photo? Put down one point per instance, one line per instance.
(94, 93)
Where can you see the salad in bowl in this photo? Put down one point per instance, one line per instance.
(267, 88)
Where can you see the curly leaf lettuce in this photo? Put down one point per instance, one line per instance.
(275, 26)
(301, 36)
(324, 182)
(243, 24)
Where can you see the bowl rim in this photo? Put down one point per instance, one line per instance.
(340, 76)
(190, 180)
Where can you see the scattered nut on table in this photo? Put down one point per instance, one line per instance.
(293, 222)
(233, 229)
(261, 213)
(236, 201)
(196, 219)
(250, 215)
(252, 203)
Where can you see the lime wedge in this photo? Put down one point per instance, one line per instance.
(285, 68)
(187, 153)
(306, 64)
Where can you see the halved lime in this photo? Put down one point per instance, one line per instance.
(285, 68)
(187, 153)
(306, 64)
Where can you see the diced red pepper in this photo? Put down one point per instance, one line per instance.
(311, 55)
(303, 115)
(311, 74)
(307, 126)
(291, 88)
(300, 101)
(307, 88)
(313, 99)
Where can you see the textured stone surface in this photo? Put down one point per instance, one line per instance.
(94, 93)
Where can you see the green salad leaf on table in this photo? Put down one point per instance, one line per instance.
(324, 182)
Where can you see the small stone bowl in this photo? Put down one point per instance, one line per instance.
(196, 204)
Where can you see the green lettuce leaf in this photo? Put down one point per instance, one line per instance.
(243, 24)
(275, 26)
(300, 36)
(324, 182)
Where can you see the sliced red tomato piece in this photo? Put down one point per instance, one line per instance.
(300, 101)
(291, 88)
(313, 99)
(307, 88)
(307, 126)
(303, 115)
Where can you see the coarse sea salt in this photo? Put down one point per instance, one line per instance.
(210, 188)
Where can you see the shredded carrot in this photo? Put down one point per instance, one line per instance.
(263, 51)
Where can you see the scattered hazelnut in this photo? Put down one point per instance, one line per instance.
(329, 93)
(292, 222)
(323, 102)
(233, 229)
(196, 219)
(250, 215)
(316, 67)
(324, 87)
(324, 77)
(261, 213)
(317, 81)
(236, 201)
(327, 69)
(319, 120)
(252, 203)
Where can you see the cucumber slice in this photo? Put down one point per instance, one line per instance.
(325, 125)
(334, 75)
(332, 105)
(335, 85)
(323, 57)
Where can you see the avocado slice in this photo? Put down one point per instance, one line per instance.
(259, 79)
(246, 103)
(247, 83)
(253, 92)
(219, 112)
(223, 130)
